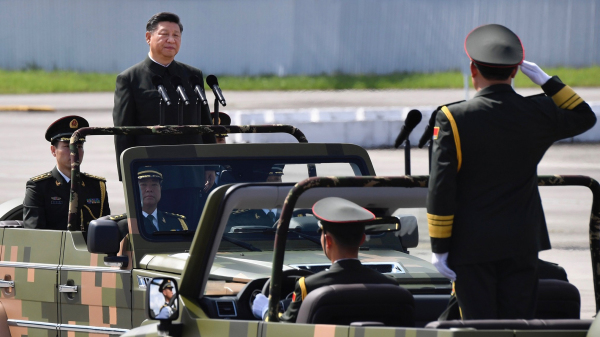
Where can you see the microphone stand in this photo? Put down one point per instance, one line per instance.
(407, 157)
(161, 109)
(216, 112)
(179, 111)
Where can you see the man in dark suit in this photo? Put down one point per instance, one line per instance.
(342, 226)
(484, 211)
(137, 99)
(150, 182)
(46, 203)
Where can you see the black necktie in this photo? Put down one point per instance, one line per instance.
(150, 219)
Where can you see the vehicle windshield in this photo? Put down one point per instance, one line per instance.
(170, 196)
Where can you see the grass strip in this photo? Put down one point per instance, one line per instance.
(40, 81)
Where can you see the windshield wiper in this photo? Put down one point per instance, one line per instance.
(184, 233)
(241, 244)
(273, 230)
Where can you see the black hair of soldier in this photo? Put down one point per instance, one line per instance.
(495, 73)
(347, 235)
(162, 17)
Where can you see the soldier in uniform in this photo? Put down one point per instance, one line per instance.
(342, 225)
(167, 310)
(150, 182)
(46, 203)
(484, 211)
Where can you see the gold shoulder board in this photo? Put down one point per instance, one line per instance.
(41, 176)
(93, 176)
(176, 215)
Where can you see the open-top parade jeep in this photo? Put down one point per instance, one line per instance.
(94, 281)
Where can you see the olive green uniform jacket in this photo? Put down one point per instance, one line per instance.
(483, 203)
(347, 271)
(46, 203)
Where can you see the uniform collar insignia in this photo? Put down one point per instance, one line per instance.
(164, 221)
(57, 183)
(257, 216)
(83, 184)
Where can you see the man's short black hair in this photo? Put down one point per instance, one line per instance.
(162, 17)
(348, 235)
(495, 73)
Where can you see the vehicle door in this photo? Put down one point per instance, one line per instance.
(30, 259)
(95, 300)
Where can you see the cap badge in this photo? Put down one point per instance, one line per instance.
(74, 124)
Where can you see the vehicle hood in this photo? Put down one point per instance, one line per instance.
(243, 267)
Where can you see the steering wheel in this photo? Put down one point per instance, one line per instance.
(286, 274)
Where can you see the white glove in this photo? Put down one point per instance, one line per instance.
(440, 261)
(535, 73)
(260, 306)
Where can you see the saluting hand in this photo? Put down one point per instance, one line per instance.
(440, 261)
(535, 73)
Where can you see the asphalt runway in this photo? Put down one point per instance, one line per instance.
(25, 153)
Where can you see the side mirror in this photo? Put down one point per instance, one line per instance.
(104, 237)
(409, 230)
(161, 299)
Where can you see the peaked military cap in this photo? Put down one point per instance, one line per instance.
(150, 174)
(494, 46)
(338, 211)
(276, 171)
(64, 127)
(224, 119)
(165, 285)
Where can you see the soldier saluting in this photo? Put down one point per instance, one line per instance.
(484, 210)
(46, 203)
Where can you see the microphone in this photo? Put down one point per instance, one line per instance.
(428, 130)
(177, 83)
(412, 119)
(158, 83)
(198, 88)
(212, 82)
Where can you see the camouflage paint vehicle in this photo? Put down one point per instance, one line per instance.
(202, 313)
(72, 283)
(218, 264)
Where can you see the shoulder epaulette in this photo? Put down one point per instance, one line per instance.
(537, 95)
(93, 176)
(449, 104)
(41, 176)
(176, 215)
(239, 211)
(118, 217)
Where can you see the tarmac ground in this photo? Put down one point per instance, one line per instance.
(25, 154)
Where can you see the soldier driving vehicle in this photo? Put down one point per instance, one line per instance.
(485, 215)
(46, 203)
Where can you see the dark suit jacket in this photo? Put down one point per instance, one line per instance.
(137, 104)
(46, 203)
(166, 222)
(483, 203)
(348, 271)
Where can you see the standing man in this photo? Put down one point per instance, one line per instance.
(137, 98)
(484, 211)
(150, 182)
(342, 227)
(46, 203)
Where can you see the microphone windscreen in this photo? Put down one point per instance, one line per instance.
(156, 80)
(176, 81)
(211, 80)
(194, 80)
(413, 118)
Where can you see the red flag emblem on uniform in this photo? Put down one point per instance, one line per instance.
(436, 131)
